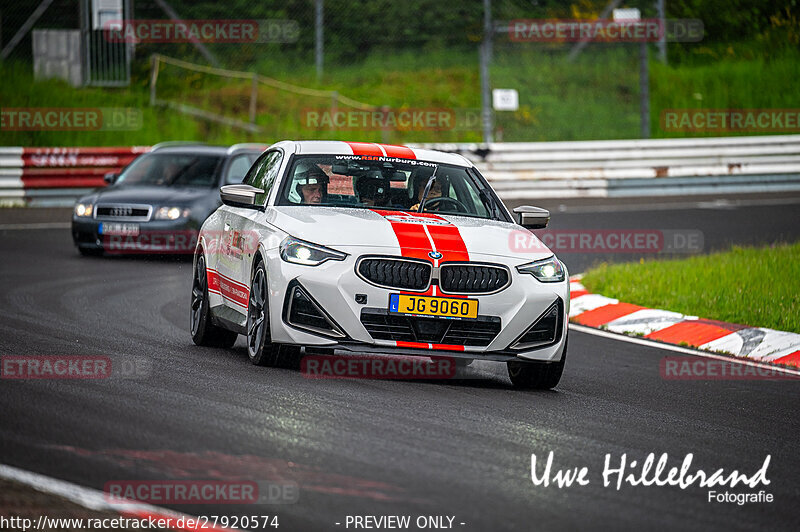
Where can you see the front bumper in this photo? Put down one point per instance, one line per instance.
(334, 286)
(155, 237)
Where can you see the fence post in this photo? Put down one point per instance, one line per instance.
(153, 78)
(253, 99)
(485, 51)
(644, 89)
(319, 45)
(662, 38)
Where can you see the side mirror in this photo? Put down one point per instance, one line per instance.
(240, 196)
(110, 177)
(532, 217)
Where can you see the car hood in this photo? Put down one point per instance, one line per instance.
(152, 195)
(408, 233)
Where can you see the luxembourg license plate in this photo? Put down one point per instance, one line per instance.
(433, 306)
(118, 229)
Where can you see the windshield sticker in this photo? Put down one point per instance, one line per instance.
(416, 220)
(383, 159)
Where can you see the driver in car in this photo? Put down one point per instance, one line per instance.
(435, 191)
(312, 185)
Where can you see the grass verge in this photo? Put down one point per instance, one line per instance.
(750, 286)
(594, 97)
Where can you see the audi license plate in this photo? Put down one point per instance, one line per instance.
(118, 229)
(433, 306)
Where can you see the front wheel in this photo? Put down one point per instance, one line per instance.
(204, 332)
(537, 375)
(260, 349)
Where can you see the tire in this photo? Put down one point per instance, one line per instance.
(537, 375)
(204, 332)
(260, 349)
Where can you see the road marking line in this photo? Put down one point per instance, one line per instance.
(679, 349)
(53, 225)
(91, 498)
(668, 206)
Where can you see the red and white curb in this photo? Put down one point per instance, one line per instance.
(98, 501)
(752, 343)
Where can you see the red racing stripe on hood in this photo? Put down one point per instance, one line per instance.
(411, 237)
(447, 239)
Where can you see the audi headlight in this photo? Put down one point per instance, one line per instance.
(83, 209)
(171, 213)
(547, 270)
(308, 254)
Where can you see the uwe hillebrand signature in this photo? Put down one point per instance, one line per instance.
(650, 472)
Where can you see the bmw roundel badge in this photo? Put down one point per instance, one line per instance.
(435, 255)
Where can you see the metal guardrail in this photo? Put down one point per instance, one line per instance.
(522, 170)
(605, 168)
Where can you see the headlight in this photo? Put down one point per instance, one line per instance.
(547, 270)
(306, 253)
(171, 213)
(83, 209)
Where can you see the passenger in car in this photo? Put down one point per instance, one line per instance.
(373, 190)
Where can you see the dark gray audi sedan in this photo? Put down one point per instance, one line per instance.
(159, 201)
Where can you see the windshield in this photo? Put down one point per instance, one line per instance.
(386, 183)
(172, 170)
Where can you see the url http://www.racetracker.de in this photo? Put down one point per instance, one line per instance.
(209, 522)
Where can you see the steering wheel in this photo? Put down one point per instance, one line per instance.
(460, 207)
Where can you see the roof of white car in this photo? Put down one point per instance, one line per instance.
(338, 147)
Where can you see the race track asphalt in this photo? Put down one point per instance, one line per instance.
(374, 447)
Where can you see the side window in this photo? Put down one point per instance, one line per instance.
(263, 174)
(475, 204)
(237, 169)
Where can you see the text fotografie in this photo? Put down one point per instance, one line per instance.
(649, 473)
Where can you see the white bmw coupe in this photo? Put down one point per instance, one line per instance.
(331, 246)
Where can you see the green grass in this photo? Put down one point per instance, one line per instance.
(728, 84)
(596, 97)
(18, 90)
(751, 286)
